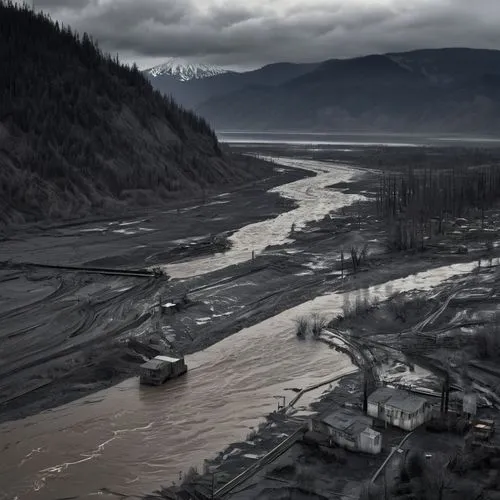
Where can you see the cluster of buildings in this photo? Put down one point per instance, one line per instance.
(354, 431)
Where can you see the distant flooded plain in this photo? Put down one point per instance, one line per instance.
(132, 440)
(337, 139)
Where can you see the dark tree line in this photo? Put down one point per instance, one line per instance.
(74, 116)
(418, 203)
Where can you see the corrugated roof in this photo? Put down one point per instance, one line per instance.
(347, 421)
(398, 399)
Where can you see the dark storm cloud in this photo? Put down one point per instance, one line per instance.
(251, 32)
(60, 4)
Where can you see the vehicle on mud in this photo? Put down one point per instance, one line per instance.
(159, 369)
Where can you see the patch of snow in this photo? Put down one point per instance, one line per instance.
(185, 71)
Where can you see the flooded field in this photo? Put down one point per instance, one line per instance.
(132, 439)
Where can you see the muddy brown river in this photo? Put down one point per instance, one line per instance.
(130, 439)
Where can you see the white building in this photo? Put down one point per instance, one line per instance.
(349, 430)
(398, 408)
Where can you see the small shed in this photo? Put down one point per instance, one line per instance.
(399, 408)
(347, 429)
(161, 368)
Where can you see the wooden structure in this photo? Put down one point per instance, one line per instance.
(482, 430)
(399, 408)
(347, 429)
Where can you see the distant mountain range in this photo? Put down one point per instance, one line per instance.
(445, 90)
(193, 92)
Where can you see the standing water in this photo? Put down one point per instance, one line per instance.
(132, 440)
(315, 200)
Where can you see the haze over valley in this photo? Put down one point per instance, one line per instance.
(454, 90)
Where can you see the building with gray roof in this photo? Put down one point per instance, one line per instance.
(347, 429)
(399, 408)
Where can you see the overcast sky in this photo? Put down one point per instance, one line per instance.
(250, 33)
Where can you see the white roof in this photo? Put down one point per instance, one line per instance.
(167, 358)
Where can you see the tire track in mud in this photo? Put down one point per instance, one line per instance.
(103, 318)
(37, 303)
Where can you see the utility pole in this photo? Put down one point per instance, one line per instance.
(342, 262)
(365, 392)
(280, 406)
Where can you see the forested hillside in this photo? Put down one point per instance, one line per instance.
(80, 132)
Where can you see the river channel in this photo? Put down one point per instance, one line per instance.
(132, 440)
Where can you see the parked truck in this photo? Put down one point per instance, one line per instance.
(159, 369)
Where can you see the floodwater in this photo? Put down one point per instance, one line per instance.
(315, 201)
(131, 440)
(367, 139)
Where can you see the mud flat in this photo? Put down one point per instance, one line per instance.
(68, 339)
(217, 295)
(417, 296)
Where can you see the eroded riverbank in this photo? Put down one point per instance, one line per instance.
(139, 438)
(130, 426)
(230, 386)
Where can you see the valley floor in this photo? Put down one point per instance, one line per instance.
(64, 334)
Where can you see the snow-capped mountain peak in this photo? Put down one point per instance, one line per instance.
(185, 71)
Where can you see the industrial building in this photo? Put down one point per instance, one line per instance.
(399, 408)
(161, 368)
(347, 429)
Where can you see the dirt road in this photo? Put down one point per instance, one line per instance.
(132, 440)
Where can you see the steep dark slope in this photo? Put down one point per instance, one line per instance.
(193, 92)
(451, 65)
(79, 132)
(446, 90)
